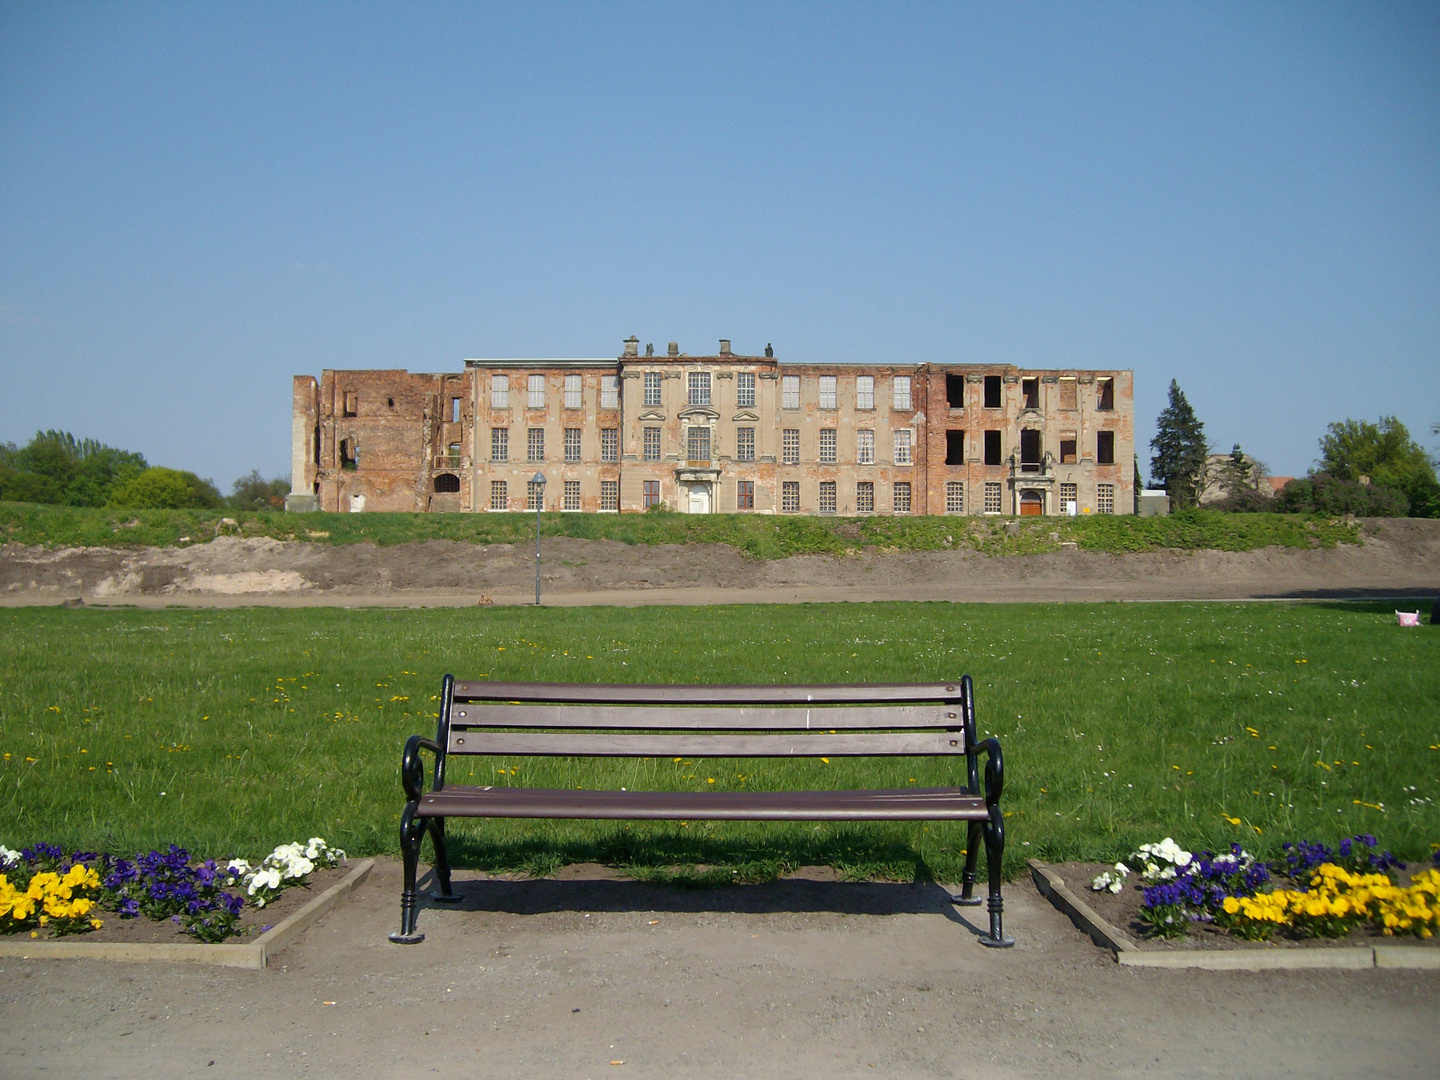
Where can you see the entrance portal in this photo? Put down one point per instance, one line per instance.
(699, 499)
(1032, 504)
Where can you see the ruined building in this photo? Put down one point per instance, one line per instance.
(716, 434)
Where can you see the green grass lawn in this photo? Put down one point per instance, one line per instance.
(231, 731)
(759, 536)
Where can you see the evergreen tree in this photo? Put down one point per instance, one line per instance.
(1237, 475)
(1180, 450)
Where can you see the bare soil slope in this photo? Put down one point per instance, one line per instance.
(1399, 558)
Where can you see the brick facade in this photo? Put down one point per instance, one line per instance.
(724, 433)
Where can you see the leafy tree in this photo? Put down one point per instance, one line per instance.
(56, 467)
(1385, 454)
(1180, 451)
(254, 492)
(166, 489)
(1321, 493)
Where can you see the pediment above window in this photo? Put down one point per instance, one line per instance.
(652, 414)
(699, 412)
(745, 416)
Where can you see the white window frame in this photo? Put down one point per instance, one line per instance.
(609, 445)
(574, 392)
(901, 392)
(500, 391)
(828, 500)
(865, 493)
(534, 437)
(865, 446)
(535, 392)
(865, 391)
(699, 389)
(745, 444)
(654, 388)
(954, 496)
(899, 488)
(790, 446)
(501, 488)
(745, 390)
(570, 500)
(646, 439)
(789, 391)
(499, 444)
(902, 442)
(994, 497)
(609, 391)
(790, 489)
(574, 444)
(829, 392)
(829, 446)
(609, 496)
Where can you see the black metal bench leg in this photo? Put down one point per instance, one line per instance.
(994, 855)
(967, 897)
(412, 832)
(442, 864)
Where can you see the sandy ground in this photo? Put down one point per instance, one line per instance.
(801, 978)
(1399, 558)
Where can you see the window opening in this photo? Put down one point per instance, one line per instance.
(700, 388)
(499, 495)
(536, 392)
(609, 494)
(1105, 448)
(992, 391)
(349, 454)
(790, 446)
(955, 391)
(697, 444)
(1030, 392)
(1029, 450)
(827, 497)
(1069, 498)
(1067, 448)
(901, 387)
(1105, 498)
(865, 392)
(609, 444)
(828, 393)
(650, 493)
(652, 387)
(745, 390)
(827, 446)
(533, 494)
(652, 444)
(535, 444)
(954, 497)
(902, 496)
(992, 498)
(499, 444)
(865, 497)
(1105, 394)
(745, 495)
(572, 495)
(574, 392)
(992, 448)
(790, 496)
(865, 446)
(352, 403)
(609, 391)
(954, 448)
(454, 410)
(902, 447)
(789, 391)
(447, 483)
(572, 444)
(499, 391)
(745, 444)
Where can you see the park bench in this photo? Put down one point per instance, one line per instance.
(574, 720)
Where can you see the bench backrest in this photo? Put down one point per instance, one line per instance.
(562, 719)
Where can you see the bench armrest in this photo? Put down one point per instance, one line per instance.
(994, 769)
(412, 768)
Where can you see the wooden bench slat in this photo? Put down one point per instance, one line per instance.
(922, 804)
(886, 744)
(718, 718)
(596, 694)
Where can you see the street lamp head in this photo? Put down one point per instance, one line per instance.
(538, 478)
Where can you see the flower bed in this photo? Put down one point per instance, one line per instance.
(1311, 895)
(156, 896)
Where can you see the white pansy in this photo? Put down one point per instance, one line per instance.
(7, 856)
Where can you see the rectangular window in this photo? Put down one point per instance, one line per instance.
(609, 444)
(536, 399)
(609, 494)
(535, 444)
(1030, 459)
(1067, 448)
(352, 403)
(790, 446)
(454, 410)
(865, 391)
(499, 444)
(865, 497)
(697, 444)
(609, 391)
(902, 391)
(789, 391)
(955, 391)
(992, 498)
(827, 496)
(572, 495)
(992, 392)
(533, 494)
(1105, 498)
(1105, 448)
(954, 497)
(790, 496)
(499, 495)
(650, 494)
(828, 393)
(1105, 394)
(1030, 392)
(902, 446)
(652, 387)
(992, 448)
(699, 388)
(500, 391)
(954, 448)
(574, 392)
(745, 444)
(745, 495)
(652, 444)
(827, 446)
(1069, 397)
(1069, 493)
(865, 446)
(902, 497)
(572, 444)
(745, 390)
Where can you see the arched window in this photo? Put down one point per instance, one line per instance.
(447, 482)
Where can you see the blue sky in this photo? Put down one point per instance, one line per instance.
(198, 201)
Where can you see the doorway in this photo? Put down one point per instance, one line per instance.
(1032, 504)
(699, 502)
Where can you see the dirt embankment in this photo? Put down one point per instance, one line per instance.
(1397, 558)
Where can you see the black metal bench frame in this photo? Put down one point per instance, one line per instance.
(577, 720)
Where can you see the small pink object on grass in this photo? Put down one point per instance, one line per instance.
(1408, 618)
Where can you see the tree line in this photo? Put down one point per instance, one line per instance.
(1370, 470)
(56, 468)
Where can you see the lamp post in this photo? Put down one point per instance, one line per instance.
(537, 482)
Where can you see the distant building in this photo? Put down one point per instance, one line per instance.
(723, 433)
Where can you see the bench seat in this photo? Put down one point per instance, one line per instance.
(901, 804)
